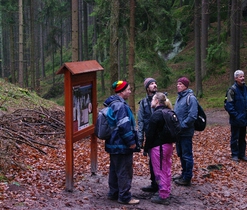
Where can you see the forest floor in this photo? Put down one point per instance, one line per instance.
(218, 182)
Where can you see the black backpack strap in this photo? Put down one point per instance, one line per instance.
(164, 112)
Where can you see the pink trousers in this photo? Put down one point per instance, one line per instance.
(162, 172)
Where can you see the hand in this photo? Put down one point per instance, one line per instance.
(141, 144)
(133, 146)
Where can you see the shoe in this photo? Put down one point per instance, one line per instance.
(131, 202)
(156, 194)
(183, 182)
(112, 198)
(177, 176)
(243, 158)
(149, 188)
(235, 158)
(159, 200)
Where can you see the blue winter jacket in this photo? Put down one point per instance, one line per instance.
(122, 120)
(236, 105)
(186, 110)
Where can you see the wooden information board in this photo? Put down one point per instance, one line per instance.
(80, 87)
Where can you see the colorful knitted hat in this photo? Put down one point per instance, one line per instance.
(148, 81)
(119, 86)
(185, 81)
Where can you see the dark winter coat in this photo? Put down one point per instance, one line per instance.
(122, 119)
(236, 105)
(157, 133)
(144, 113)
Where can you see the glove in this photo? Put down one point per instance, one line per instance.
(145, 154)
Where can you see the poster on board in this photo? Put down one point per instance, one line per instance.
(82, 107)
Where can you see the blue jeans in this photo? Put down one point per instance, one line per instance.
(120, 176)
(184, 151)
(238, 143)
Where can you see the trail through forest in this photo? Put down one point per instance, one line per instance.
(218, 182)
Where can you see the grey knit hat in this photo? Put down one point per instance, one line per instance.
(148, 81)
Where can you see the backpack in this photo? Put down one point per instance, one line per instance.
(102, 128)
(201, 120)
(172, 124)
(233, 88)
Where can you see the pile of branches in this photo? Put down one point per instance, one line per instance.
(36, 128)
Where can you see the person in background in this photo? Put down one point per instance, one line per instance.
(236, 106)
(144, 113)
(159, 146)
(121, 144)
(186, 111)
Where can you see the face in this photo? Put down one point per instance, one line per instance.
(152, 88)
(126, 93)
(154, 102)
(240, 79)
(181, 87)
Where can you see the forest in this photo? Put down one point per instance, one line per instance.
(130, 39)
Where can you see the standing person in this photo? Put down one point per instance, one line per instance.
(236, 106)
(159, 146)
(121, 144)
(143, 116)
(186, 110)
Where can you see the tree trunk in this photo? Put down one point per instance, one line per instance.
(20, 81)
(124, 69)
(37, 56)
(75, 55)
(32, 52)
(12, 62)
(80, 37)
(233, 61)
(229, 18)
(197, 50)
(218, 22)
(132, 56)
(204, 36)
(238, 33)
(114, 23)
(85, 30)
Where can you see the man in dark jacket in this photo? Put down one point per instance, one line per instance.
(236, 106)
(143, 116)
(121, 144)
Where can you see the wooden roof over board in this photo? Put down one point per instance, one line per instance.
(80, 67)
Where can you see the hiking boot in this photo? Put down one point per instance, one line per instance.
(131, 202)
(235, 158)
(112, 198)
(243, 158)
(149, 188)
(177, 176)
(183, 182)
(159, 200)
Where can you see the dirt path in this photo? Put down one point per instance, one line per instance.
(222, 189)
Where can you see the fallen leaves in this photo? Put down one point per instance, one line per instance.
(44, 174)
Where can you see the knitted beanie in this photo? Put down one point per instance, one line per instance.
(148, 81)
(185, 81)
(119, 86)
